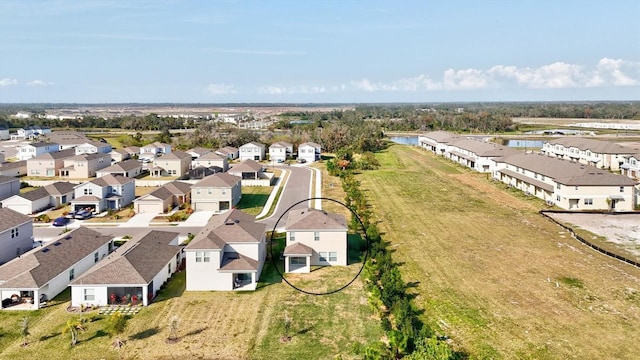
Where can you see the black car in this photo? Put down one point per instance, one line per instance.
(61, 221)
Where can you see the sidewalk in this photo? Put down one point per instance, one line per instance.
(274, 193)
(198, 218)
(139, 220)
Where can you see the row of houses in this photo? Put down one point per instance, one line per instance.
(569, 183)
(228, 254)
(280, 151)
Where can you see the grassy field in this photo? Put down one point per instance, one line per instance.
(497, 278)
(254, 198)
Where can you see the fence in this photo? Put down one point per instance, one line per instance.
(587, 242)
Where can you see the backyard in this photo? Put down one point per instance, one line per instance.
(492, 274)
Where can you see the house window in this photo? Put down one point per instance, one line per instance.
(322, 256)
(298, 260)
(224, 191)
(169, 269)
(292, 236)
(198, 191)
(316, 236)
(203, 256)
(576, 188)
(89, 294)
(72, 274)
(621, 189)
(557, 197)
(88, 191)
(14, 233)
(558, 186)
(333, 256)
(588, 201)
(96, 257)
(210, 191)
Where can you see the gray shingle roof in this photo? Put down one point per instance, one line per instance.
(481, 148)
(175, 155)
(231, 227)
(440, 136)
(60, 188)
(597, 146)
(312, 144)
(211, 156)
(109, 179)
(12, 165)
(298, 249)
(313, 219)
(220, 180)
(35, 194)
(134, 263)
(55, 155)
(126, 165)
(253, 143)
(6, 179)
(10, 219)
(232, 261)
(227, 150)
(246, 166)
(178, 187)
(36, 268)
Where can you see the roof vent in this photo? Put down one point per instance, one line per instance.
(45, 250)
(229, 222)
(68, 237)
(57, 243)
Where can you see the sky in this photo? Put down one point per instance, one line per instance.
(312, 51)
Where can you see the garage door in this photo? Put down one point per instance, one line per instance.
(206, 206)
(154, 208)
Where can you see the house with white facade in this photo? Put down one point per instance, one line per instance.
(197, 152)
(14, 169)
(227, 254)
(4, 133)
(42, 198)
(631, 166)
(48, 164)
(44, 272)
(132, 274)
(211, 159)
(9, 186)
(217, 192)
(31, 132)
(230, 152)
(599, 153)
(104, 193)
(29, 151)
(252, 173)
(155, 149)
(436, 141)
(252, 151)
(280, 151)
(476, 154)
(84, 166)
(66, 139)
(93, 147)
(566, 184)
(314, 238)
(309, 151)
(175, 163)
(16, 234)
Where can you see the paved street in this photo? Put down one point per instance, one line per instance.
(297, 189)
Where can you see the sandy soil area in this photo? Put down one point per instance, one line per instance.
(619, 229)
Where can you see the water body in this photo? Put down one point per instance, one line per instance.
(525, 143)
(404, 140)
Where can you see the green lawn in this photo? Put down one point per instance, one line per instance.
(254, 198)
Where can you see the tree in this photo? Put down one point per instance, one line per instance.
(115, 326)
(73, 327)
(173, 327)
(432, 349)
(286, 324)
(24, 330)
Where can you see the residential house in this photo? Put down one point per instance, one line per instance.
(476, 154)
(230, 152)
(133, 151)
(93, 147)
(4, 133)
(31, 132)
(631, 166)
(66, 139)
(436, 141)
(104, 193)
(211, 159)
(132, 274)
(119, 155)
(164, 198)
(314, 238)
(14, 169)
(175, 163)
(42, 198)
(309, 151)
(29, 151)
(16, 235)
(155, 149)
(280, 151)
(48, 164)
(128, 168)
(197, 152)
(252, 151)
(251, 173)
(227, 254)
(9, 186)
(599, 153)
(84, 166)
(218, 192)
(44, 272)
(566, 184)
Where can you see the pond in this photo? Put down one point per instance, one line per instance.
(404, 140)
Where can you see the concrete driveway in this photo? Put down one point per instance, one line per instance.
(139, 220)
(198, 218)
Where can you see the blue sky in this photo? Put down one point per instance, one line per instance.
(90, 51)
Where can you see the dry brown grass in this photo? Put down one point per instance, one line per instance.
(144, 190)
(495, 276)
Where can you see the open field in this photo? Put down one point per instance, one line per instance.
(496, 277)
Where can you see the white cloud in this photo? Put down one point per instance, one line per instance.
(220, 89)
(466, 79)
(613, 70)
(418, 83)
(303, 89)
(39, 83)
(8, 82)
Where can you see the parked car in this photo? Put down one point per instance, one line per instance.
(61, 221)
(83, 214)
(301, 161)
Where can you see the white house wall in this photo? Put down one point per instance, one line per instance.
(9, 246)
(204, 275)
(330, 241)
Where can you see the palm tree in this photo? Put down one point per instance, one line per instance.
(73, 327)
(24, 330)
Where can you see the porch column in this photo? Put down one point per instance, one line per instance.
(286, 264)
(36, 299)
(145, 296)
